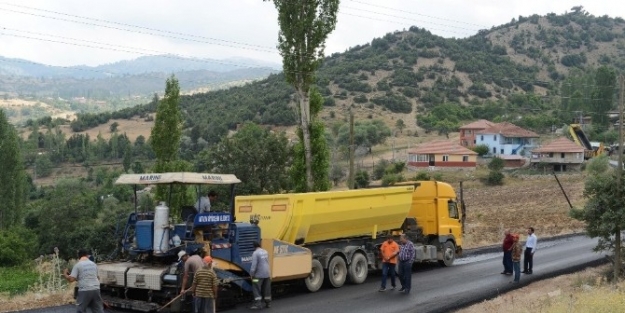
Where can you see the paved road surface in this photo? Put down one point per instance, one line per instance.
(435, 289)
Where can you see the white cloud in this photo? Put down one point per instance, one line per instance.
(251, 22)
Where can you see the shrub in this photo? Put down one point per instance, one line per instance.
(494, 178)
(361, 179)
(496, 164)
(422, 176)
(481, 150)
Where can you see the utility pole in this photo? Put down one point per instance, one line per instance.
(619, 173)
(350, 181)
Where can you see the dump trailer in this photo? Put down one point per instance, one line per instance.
(344, 229)
(591, 149)
(146, 275)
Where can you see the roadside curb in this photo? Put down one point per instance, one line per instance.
(497, 248)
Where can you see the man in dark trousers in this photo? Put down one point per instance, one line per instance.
(406, 255)
(205, 287)
(507, 253)
(85, 272)
(530, 248)
(261, 277)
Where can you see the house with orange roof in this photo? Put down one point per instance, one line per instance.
(469, 131)
(562, 153)
(441, 154)
(507, 139)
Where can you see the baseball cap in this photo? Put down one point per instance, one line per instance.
(207, 259)
(181, 254)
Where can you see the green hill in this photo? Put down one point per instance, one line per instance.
(526, 71)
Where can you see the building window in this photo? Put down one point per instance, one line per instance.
(579, 156)
(551, 154)
(495, 138)
(501, 151)
(494, 150)
(469, 132)
(445, 158)
(474, 141)
(422, 158)
(465, 158)
(562, 155)
(482, 138)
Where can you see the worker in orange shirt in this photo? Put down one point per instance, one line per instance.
(389, 251)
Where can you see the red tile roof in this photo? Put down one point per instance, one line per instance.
(560, 145)
(481, 124)
(441, 147)
(509, 130)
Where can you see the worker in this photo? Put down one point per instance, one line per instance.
(389, 251)
(516, 257)
(406, 256)
(205, 287)
(85, 272)
(203, 205)
(507, 253)
(261, 277)
(191, 265)
(530, 248)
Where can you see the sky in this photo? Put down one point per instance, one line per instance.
(73, 32)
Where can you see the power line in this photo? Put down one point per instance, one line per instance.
(244, 46)
(408, 19)
(415, 13)
(124, 49)
(399, 23)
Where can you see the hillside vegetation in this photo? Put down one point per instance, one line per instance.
(528, 71)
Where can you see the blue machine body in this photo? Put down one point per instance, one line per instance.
(145, 233)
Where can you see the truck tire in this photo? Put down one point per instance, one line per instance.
(358, 269)
(337, 271)
(449, 254)
(315, 280)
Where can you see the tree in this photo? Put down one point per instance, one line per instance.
(481, 150)
(12, 175)
(320, 152)
(603, 212)
(304, 27)
(165, 141)
(400, 125)
(258, 157)
(495, 176)
(114, 127)
(362, 179)
(127, 159)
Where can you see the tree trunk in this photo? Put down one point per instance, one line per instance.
(304, 109)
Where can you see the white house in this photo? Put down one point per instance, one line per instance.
(507, 139)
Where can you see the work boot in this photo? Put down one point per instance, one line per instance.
(256, 306)
(267, 304)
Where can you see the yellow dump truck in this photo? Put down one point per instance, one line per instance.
(344, 229)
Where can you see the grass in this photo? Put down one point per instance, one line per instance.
(17, 280)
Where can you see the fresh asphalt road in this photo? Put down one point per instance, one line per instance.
(435, 289)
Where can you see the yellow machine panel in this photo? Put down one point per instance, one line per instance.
(313, 217)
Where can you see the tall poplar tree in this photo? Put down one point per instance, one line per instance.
(12, 175)
(304, 28)
(165, 142)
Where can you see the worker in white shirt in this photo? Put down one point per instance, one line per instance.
(203, 205)
(530, 248)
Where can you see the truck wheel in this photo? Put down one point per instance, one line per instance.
(315, 280)
(358, 269)
(449, 254)
(337, 271)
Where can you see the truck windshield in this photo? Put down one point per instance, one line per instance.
(453, 209)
